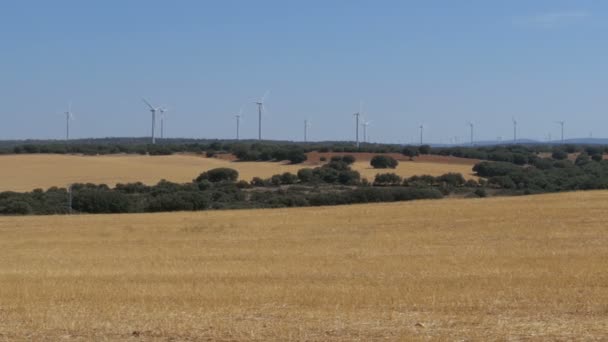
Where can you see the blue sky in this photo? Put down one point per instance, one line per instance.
(441, 63)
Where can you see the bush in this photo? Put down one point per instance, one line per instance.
(16, 208)
(219, 175)
(597, 157)
(559, 155)
(387, 179)
(348, 159)
(424, 149)
(410, 151)
(491, 169)
(384, 162)
(97, 201)
(296, 156)
(481, 192)
(305, 175)
(453, 179)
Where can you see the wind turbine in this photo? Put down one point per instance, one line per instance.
(307, 125)
(162, 121)
(421, 133)
(238, 122)
(260, 104)
(514, 131)
(69, 116)
(357, 117)
(561, 123)
(153, 110)
(364, 125)
(472, 128)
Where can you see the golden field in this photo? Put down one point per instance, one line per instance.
(519, 268)
(27, 172)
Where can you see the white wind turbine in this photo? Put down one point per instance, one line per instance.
(261, 108)
(364, 125)
(238, 122)
(153, 110)
(162, 111)
(421, 133)
(307, 125)
(471, 126)
(69, 116)
(357, 118)
(514, 131)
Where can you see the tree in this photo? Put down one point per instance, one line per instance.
(559, 155)
(424, 149)
(451, 178)
(296, 156)
(387, 179)
(383, 162)
(410, 151)
(219, 175)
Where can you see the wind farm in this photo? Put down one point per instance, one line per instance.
(303, 171)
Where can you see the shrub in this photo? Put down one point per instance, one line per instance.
(305, 175)
(490, 169)
(219, 175)
(597, 157)
(384, 162)
(387, 179)
(97, 201)
(348, 159)
(410, 151)
(559, 155)
(481, 192)
(453, 179)
(16, 208)
(424, 149)
(296, 156)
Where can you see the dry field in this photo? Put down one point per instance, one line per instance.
(27, 172)
(525, 268)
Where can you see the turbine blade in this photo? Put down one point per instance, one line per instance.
(149, 105)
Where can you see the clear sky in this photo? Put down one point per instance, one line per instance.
(441, 63)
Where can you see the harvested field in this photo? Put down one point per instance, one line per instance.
(519, 268)
(27, 172)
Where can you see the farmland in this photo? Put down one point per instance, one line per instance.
(27, 172)
(477, 269)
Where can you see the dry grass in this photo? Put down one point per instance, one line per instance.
(27, 172)
(526, 268)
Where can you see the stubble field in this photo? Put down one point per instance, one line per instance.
(521, 268)
(27, 172)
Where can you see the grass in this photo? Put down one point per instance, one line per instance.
(27, 172)
(519, 268)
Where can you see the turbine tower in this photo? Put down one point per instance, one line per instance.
(162, 121)
(153, 110)
(421, 133)
(514, 131)
(357, 117)
(260, 104)
(364, 125)
(561, 123)
(472, 128)
(238, 122)
(68, 117)
(307, 125)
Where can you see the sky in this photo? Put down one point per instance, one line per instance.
(437, 63)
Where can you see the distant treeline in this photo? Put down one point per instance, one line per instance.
(331, 184)
(252, 150)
